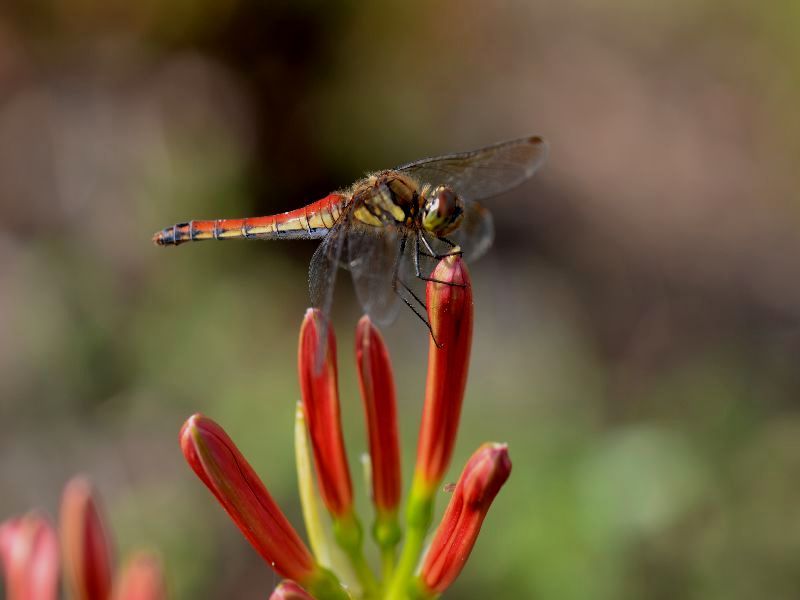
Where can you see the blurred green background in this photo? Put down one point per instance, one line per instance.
(636, 337)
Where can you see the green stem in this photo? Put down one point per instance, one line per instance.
(398, 587)
(366, 578)
(324, 584)
(386, 533)
(387, 563)
(417, 590)
(419, 513)
(349, 536)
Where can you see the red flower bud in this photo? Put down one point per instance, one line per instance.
(320, 395)
(483, 476)
(377, 391)
(450, 314)
(29, 558)
(219, 464)
(142, 579)
(85, 547)
(289, 590)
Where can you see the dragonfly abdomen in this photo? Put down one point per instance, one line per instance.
(308, 222)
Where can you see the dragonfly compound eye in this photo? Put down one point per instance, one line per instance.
(443, 211)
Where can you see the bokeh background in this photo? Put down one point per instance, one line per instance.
(636, 321)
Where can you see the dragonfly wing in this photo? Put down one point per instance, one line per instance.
(482, 173)
(322, 278)
(476, 232)
(372, 257)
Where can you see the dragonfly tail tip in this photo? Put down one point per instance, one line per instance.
(159, 239)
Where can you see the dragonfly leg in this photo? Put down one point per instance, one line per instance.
(397, 281)
(420, 316)
(418, 272)
(431, 253)
(452, 244)
(413, 295)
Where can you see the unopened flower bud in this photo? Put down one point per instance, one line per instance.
(142, 578)
(483, 476)
(450, 311)
(377, 391)
(320, 397)
(218, 463)
(29, 558)
(289, 590)
(85, 546)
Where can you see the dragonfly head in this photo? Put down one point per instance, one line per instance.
(442, 211)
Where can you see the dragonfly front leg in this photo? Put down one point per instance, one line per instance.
(415, 311)
(397, 281)
(457, 249)
(431, 253)
(418, 253)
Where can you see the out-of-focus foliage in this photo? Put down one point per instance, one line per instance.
(636, 333)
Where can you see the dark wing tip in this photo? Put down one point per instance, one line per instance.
(541, 149)
(537, 140)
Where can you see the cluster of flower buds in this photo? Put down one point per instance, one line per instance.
(31, 560)
(335, 565)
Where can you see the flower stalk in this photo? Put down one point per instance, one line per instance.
(324, 475)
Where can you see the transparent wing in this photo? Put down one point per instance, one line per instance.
(322, 270)
(372, 256)
(322, 277)
(482, 173)
(476, 232)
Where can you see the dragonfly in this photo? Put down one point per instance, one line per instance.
(384, 226)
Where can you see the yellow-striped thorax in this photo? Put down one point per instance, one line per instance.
(395, 197)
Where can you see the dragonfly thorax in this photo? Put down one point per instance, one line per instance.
(387, 198)
(393, 197)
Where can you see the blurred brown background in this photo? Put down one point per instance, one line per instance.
(637, 321)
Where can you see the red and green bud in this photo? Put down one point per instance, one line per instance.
(320, 398)
(450, 313)
(29, 558)
(380, 407)
(483, 476)
(289, 590)
(142, 578)
(85, 546)
(218, 463)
